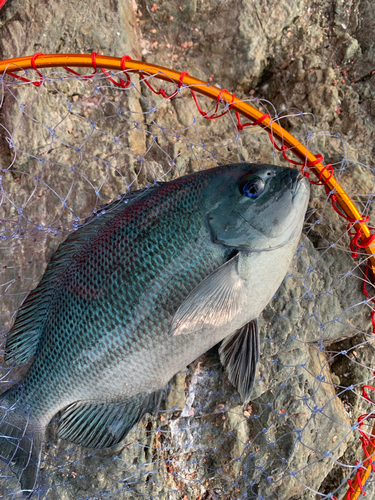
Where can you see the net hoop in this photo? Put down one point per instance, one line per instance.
(324, 173)
(287, 140)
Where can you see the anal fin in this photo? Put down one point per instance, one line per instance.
(100, 424)
(239, 354)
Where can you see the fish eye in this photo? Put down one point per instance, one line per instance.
(252, 187)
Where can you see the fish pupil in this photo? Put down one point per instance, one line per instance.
(253, 187)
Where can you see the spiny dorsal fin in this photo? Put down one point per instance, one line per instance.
(122, 198)
(101, 424)
(23, 337)
(239, 354)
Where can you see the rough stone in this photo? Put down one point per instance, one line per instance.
(295, 438)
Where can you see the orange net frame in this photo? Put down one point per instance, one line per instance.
(282, 140)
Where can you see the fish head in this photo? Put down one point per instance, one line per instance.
(257, 207)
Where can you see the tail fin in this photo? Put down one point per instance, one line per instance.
(21, 440)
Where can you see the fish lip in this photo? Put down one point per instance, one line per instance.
(301, 180)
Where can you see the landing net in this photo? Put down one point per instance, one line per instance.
(72, 140)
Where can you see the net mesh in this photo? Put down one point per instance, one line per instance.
(71, 145)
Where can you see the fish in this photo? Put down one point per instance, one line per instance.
(141, 291)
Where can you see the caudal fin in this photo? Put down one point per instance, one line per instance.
(21, 441)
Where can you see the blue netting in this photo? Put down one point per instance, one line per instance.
(72, 145)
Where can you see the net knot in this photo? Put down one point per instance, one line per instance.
(182, 76)
(351, 489)
(327, 168)
(284, 148)
(359, 478)
(250, 124)
(308, 164)
(354, 244)
(358, 240)
(85, 77)
(366, 396)
(121, 82)
(213, 115)
(33, 59)
(32, 62)
(366, 443)
(161, 91)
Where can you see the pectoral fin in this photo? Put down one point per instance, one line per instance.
(239, 354)
(214, 303)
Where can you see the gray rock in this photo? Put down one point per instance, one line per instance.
(295, 440)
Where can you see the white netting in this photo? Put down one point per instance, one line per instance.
(71, 145)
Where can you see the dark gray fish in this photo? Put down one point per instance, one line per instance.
(134, 296)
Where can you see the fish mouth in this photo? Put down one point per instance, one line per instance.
(298, 183)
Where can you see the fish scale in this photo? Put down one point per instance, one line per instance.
(92, 317)
(140, 292)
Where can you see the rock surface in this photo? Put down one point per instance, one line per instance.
(295, 440)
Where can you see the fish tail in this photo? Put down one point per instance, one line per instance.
(21, 440)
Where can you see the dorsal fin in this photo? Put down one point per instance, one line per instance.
(99, 424)
(122, 198)
(23, 337)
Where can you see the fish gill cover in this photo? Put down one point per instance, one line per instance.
(75, 145)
